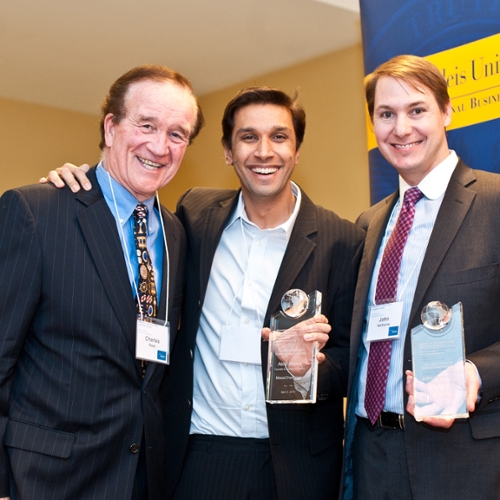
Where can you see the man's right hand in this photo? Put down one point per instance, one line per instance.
(71, 175)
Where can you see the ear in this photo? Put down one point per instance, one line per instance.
(109, 129)
(297, 154)
(228, 155)
(448, 114)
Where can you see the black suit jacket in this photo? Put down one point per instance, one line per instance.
(461, 263)
(322, 254)
(72, 400)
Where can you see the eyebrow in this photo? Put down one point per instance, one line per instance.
(153, 119)
(253, 129)
(411, 105)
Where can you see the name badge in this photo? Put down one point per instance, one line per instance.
(152, 341)
(240, 344)
(385, 322)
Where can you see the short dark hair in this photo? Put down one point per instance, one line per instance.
(413, 70)
(114, 102)
(263, 95)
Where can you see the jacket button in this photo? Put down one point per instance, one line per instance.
(191, 353)
(134, 448)
(189, 403)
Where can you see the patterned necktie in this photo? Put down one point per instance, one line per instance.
(387, 287)
(146, 286)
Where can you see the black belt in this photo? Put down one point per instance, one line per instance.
(389, 420)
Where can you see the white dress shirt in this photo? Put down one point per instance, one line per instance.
(433, 186)
(229, 397)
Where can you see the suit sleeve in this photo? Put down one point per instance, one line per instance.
(20, 276)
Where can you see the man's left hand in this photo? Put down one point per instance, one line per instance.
(472, 385)
(314, 329)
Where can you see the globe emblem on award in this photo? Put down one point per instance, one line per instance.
(295, 303)
(436, 315)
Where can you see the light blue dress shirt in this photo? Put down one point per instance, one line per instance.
(433, 186)
(229, 398)
(126, 203)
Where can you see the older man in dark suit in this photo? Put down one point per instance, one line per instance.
(80, 398)
(443, 221)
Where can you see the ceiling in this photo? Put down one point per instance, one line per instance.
(66, 53)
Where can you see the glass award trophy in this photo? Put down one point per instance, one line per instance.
(438, 355)
(292, 367)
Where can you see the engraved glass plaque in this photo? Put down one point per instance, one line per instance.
(292, 367)
(438, 355)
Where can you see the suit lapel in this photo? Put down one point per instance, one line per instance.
(168, 274)
(455, 206)
(298, 250)
(374, 235)
(212, 227)
(99, 230)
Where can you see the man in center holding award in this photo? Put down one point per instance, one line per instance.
(432, 249)
(250, 251)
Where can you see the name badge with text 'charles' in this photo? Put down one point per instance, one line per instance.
(153, 340)
(385, 322)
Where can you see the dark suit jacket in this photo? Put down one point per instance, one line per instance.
(72, 400)
(462, 263)
(322, 254)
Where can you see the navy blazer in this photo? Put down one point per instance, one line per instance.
(72, 400)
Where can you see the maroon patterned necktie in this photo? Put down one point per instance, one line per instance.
(387, 286)
(146, 286)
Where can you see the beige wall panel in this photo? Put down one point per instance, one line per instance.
(35, 139)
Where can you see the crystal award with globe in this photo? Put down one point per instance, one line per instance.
(438, 356)
(292, 367)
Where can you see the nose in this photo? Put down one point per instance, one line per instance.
(264, 148)
(159, 144)
(402, 127)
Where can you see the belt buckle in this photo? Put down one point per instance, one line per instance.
(398, 420)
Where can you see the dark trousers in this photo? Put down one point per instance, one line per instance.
(227, 468)
(380, 469)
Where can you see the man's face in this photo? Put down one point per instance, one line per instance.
(263, 151)
(410, 128)
(145, 149)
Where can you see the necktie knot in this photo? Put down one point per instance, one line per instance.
(412, 196)
(141, 214)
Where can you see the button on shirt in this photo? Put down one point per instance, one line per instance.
(126, 203)
(433, 186)
(229, 398)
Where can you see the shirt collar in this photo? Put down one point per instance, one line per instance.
(434, 184)
(125, 201)
(287, 226)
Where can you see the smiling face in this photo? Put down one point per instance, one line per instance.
(144, 150)
(263, 152)
(409, 128)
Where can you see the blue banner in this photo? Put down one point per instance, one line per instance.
(425, 28)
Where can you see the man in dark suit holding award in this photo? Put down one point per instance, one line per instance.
(435, 239)
(81, 381)
(247, 248)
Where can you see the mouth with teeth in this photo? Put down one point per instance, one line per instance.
(150, 165)
(406, 146)
(264, 170)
